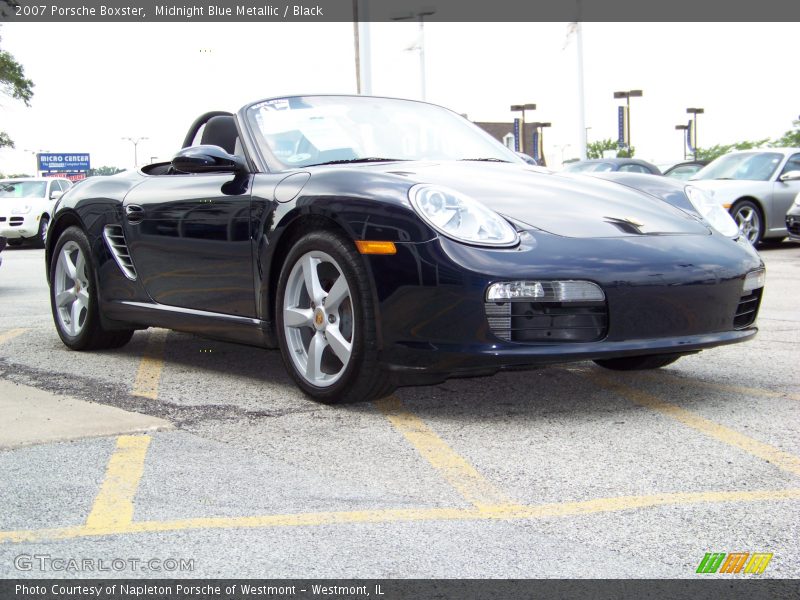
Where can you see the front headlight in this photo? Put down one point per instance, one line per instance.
(719, 218)
(21, 210)
(460, 217)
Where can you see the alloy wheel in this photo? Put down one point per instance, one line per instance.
(749, 222)
(71, 289)
(318, 322)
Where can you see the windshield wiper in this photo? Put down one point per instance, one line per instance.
(366, 159)
(487, 159)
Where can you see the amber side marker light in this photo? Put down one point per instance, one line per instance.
(368, 247)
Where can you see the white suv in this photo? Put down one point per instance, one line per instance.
(26, 205)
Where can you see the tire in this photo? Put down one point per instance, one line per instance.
(638, 363)
(73, 296)
(749, 219)
(15, 242)
(41, 238)
(326, 321)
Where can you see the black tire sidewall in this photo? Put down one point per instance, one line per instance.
(84, 338)
(338, 248)
(43, 223)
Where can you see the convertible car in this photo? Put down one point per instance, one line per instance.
(382, 242)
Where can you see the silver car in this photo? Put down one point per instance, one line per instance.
(756, 186)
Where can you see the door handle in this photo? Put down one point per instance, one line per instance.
(135, 213)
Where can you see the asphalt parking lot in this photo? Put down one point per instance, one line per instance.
(203, 456)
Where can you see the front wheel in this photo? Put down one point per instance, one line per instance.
(326, 321)
(638, 363)
(749, 220)
(44, 223)
(73, 296)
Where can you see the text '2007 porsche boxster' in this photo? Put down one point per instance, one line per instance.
(382, 242)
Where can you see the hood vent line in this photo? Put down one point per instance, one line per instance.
(115, 239)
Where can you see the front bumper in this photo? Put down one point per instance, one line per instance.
(793, 222)
(664, 295)
(19, 226)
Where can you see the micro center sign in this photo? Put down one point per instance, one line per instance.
(73, 166)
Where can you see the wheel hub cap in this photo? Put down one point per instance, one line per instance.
(319, 319)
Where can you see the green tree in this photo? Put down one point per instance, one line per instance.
(720, 149)
(596, 149)
(790, 139)
(13, 83)
(105, 171)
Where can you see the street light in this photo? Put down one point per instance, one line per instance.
(628, 95)
(135, 141)
(420, 16)
(694, 112)
(538, 126)
(522, 108)
(682, 129)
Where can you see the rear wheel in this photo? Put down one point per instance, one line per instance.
(749, 220)
(73, 296)
(638, 363)
(326, 321)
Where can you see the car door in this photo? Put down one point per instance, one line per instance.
(784, 193)
(189, 239)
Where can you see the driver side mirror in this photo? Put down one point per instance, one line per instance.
(790, 176)
(207, 159)
(56, 194)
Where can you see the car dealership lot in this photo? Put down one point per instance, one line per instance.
(566, 471)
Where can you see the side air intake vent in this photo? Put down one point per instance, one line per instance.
(119, 250)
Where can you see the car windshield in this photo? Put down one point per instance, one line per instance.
(752, 166)
(22, 189)
(312, 130)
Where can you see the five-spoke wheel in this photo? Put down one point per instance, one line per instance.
(71, 289)
(326, 322)
(748, 218)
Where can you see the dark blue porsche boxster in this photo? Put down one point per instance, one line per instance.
(382, 242)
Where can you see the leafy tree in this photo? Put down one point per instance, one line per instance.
(13, 83)
(720, 149)
(105, 171)
(790, 139)
(596, 149)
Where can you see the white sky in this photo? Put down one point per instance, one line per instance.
(97, 83)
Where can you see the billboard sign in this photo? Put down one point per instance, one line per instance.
(63, 163)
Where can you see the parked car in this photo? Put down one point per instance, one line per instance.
(793, 219)
(625, 165)
(756, 186)
(382, 242)
(685, 170)
(26, 205)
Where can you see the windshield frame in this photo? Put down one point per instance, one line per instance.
(262, 152)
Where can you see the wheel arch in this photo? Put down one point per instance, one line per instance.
(57, 227)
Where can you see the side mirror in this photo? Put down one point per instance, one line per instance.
(790, 176)
(56, 194)
(207, 159)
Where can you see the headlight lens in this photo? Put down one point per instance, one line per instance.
(711, 211)
(21, 210)
(460, 217)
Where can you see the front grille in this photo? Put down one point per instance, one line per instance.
(537, 322)
(2, 219)
(115, 239)
(747, 309)
(16, 221)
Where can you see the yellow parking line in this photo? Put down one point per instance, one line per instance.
(113, 506)
(502, 512)
(779, 458)
(148, 377)
(11, 334)
(461, 475)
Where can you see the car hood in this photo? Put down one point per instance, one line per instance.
(566, 205)
(9, 204)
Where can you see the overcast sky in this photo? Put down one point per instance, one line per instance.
(97, 83)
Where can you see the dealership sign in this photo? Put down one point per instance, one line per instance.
(63, 163)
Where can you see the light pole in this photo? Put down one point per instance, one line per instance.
(694, 112)
(135, 141)
(682, 129)
(522, 108)
(420, 16)
(538, 127)
(628, 95)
